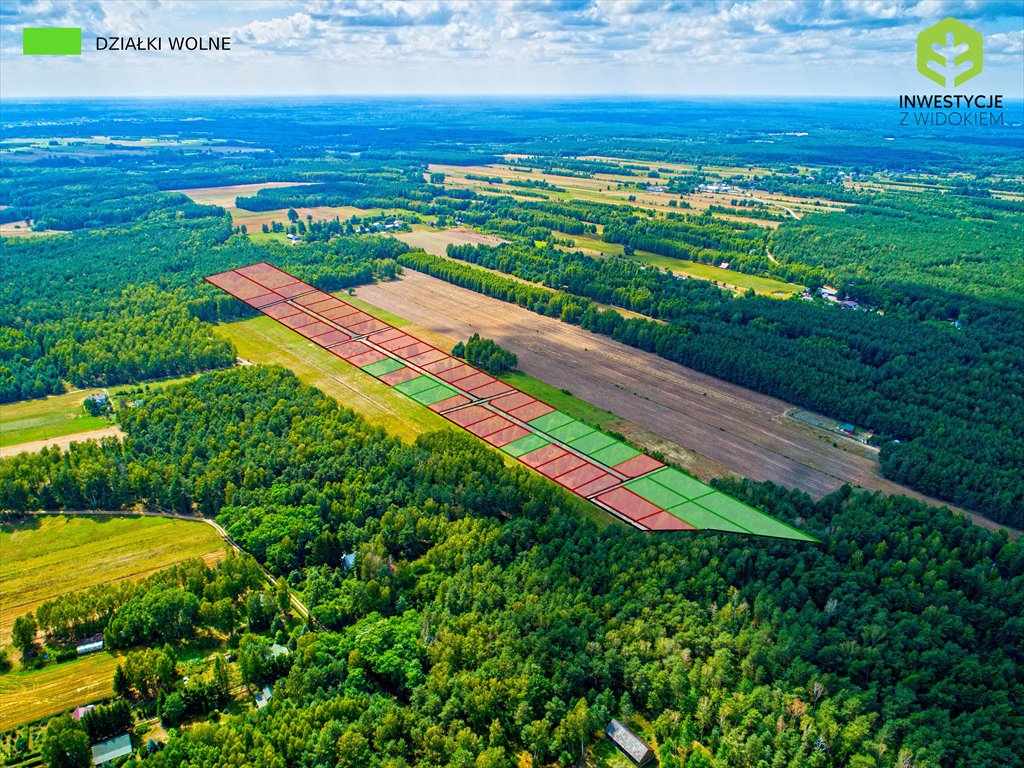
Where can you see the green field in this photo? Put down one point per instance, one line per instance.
(762, 285)
(46, 418)
(53, 555)
(263, 340)
(28, 696)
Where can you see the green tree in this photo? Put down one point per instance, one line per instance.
(65, 744)
(23, 634)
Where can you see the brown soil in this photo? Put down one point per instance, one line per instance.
(710, 426)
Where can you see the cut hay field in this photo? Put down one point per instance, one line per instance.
(254, 220)
(739, 430)
(22, 229)
(225, 196)
(47, 417)
(437, 241)
(27, 696)
(52, 555)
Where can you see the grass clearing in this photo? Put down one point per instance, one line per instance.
(27, 696)
(45, 418)
(765, 286)
(48, 556)
(263, 340)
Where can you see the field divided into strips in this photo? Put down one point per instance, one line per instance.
(616, 477)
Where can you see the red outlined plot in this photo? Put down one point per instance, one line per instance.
(561, 465)
(464, 417)
(489, 390)
(238, 286)
(531, 411)
(262, 300)
(339, 313)
(268, 276)
(314, 329)
(489, 426)
(507, 435)
(664, 521)
(391, 333)
(361, 361)
(580, 476)
(628, 504)
(411, 350)
(402, 340)
(512, 401)
(312, 298)
(279, 311)
(331, 337)
(294, 289)
(324, 306)
(433, 356)
(461, 371)
(638, 465)
(368, 326)
(543, 455)
(447, 364)
(451, 402)
(297, 321)
(397, 377)
(352, 349)
(474, 381)
(596, 486)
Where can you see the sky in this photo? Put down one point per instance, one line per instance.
(810, 48)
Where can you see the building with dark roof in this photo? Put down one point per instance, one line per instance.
(629, 744)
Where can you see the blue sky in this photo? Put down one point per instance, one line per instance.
(579, 47)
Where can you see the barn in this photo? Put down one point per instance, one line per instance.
(629, 744)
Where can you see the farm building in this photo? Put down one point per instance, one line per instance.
(263, 697)
(111, 749)
(848, 429)
(90, 646)
(627, 742)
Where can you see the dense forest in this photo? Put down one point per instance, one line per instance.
(107, 306)
(485, 620)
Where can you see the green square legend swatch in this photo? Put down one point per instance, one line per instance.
(52, 41)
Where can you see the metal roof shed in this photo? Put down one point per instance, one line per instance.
(631, 745)
(111, 749)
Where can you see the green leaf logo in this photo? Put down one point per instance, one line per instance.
(949, 53)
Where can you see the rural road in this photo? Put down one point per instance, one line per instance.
(740, 429)
(300, 609)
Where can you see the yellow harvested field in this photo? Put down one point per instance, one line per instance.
(52, 555)
(27, 696)
(225, 196)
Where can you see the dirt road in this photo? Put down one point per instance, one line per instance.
(739, 429)
(63, 441)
